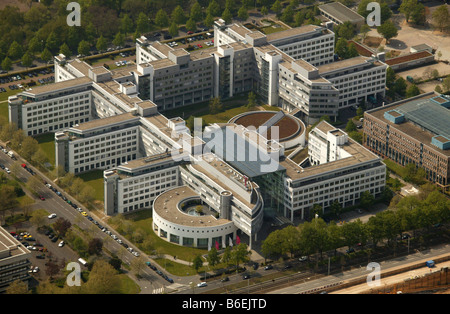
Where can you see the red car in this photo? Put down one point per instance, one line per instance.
(42, 198)
(24, 166)
(199, 46)
(190, 32)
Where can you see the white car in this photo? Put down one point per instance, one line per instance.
(36, 269)
(61, 244)
(136, 254)
(7, 170)
(202, 284)
(51, 216)
(303, 258)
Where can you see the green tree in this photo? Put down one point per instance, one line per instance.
(242, 13)
(15, 51)
(288, 14)
(213, 8)
(226, 16)
(367, 199)
(213, 257)
(407, 8)
(446, 84)
(65, 50)
(6, 64)
(418, 15)
(84, 48)
(240, 254)
(215, 105)
(364, 29)
(351, 126)
(191, 25)
(209, 20)
(346, 30)
(161, 18)
(197, 263)
(390, 77)
(400, 86)
(52, 43)
(46, 55)
(412, 91)
(173, 29)
(441, 17)
(119, 40)
(196, 12)
(178, 15)
(277, 7)
(388, 30)
(35, 45)
(336, 208)
(272, 245)
(251, 100)
(143, 23)
(27, 59)
(126, 24)
(264, 11)
(342, 48)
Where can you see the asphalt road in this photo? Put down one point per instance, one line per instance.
(53, 203)
(418, 257)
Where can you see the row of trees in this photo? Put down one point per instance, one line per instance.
(409, 214)
(231, 256)
(103, 279)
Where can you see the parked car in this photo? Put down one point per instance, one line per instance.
(51, 216)
(61, 244)
(202, 284)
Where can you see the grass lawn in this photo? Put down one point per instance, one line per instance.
(95, 180)
(47, 143)
(127, 285)
(25, 200)
(395, 168)
(143, 220)
(270, 29)
(301, 155)
(4, 110)
(225, 116)
(202, 109)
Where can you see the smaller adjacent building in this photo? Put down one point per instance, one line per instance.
(14, 260)
(338, 13)
(415, 130)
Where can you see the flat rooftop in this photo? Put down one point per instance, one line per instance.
(165, 205)
(340, 12)
(347, 63)
(58, 86)
(292, 32)
(10, 247)
(424, 118)
(97, 123)
(359, 154)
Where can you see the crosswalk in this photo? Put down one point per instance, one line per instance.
(169, 288)
(158, 291)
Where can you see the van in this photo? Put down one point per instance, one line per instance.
(82, 261)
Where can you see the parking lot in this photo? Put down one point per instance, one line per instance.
(22, 81)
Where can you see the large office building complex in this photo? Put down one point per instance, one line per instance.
(413, 131)
(14, 260)
(205, 189)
